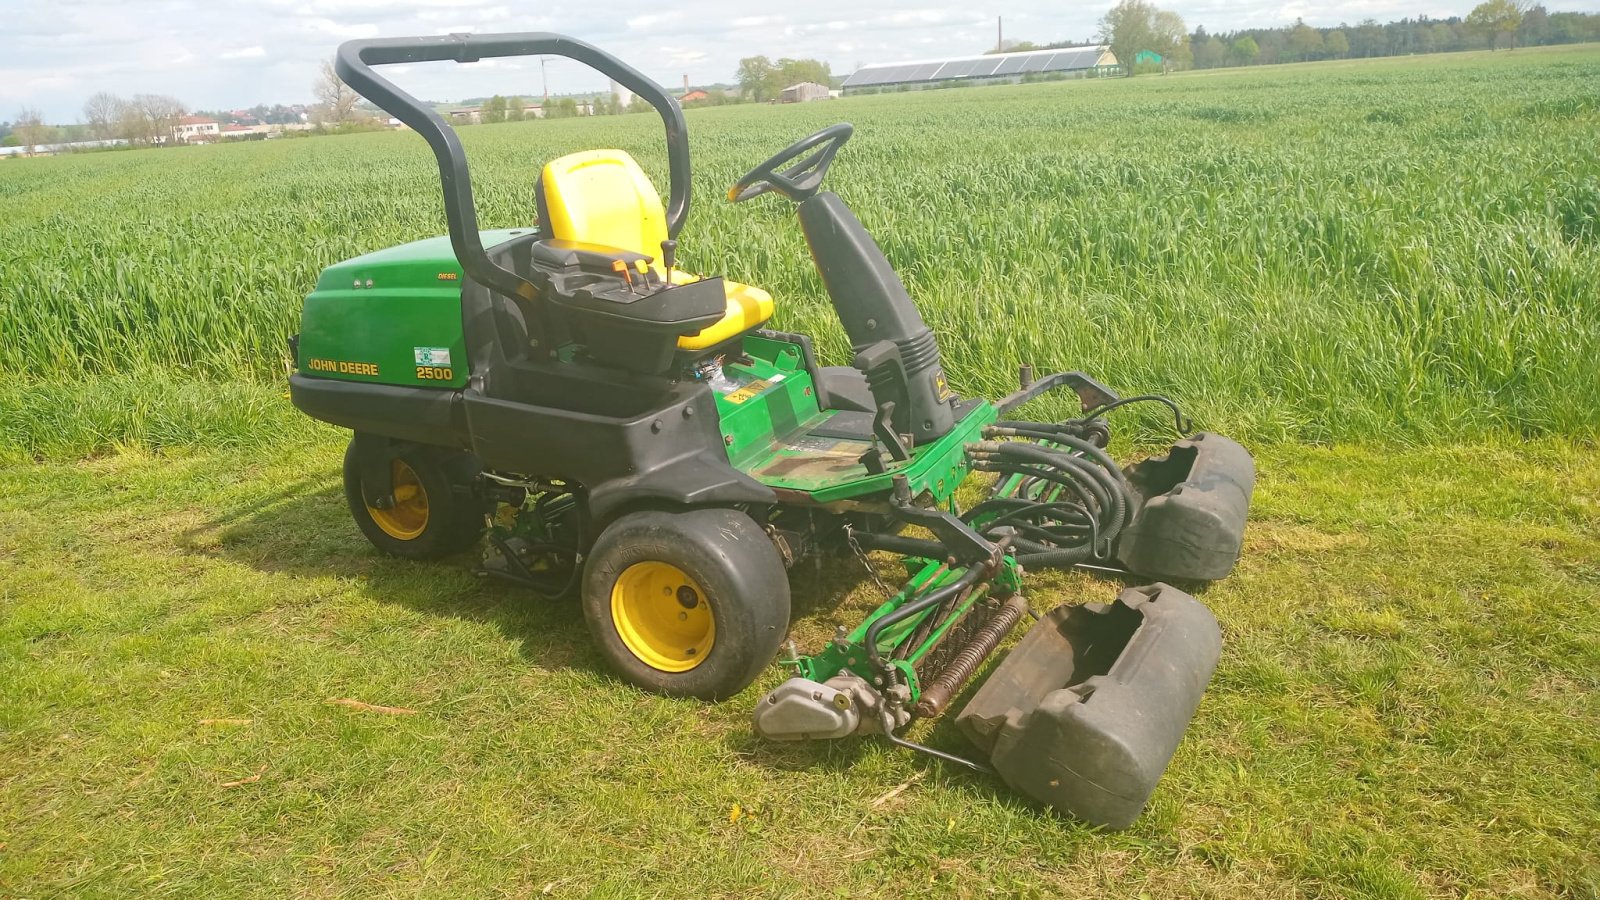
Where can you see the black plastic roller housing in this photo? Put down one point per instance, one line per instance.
(1084, 714)
(1192, 505)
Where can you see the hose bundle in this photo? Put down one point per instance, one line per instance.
(1061, 498)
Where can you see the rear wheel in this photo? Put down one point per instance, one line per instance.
(689, 604)
(435, 513)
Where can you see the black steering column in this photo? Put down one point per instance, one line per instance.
(894, 348)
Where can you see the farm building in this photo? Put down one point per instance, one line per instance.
(990, 68)
(196, 130)
(804, 92)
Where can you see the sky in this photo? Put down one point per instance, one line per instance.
(223, 54)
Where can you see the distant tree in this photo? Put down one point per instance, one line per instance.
(1305, 42)
(1444, 38)
(493, 110)
(1245, 50)
(1424, 38)
(150, 118)
(1571, 27)
(1210, 53)
(103, 113)
(756, 75)
(1367, 39)
(1169, 38)
(1535, 25)
(796, 71)
(1337, 45)
(516, 110)
(1127, 28)
(1497, 20)
(29, 129)
(336, 102)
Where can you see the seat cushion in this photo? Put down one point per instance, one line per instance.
(749, 307)
(603, 197)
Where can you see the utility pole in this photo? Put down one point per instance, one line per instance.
(999, 35)
(545, 75)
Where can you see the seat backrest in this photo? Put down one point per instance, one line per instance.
(603, 197)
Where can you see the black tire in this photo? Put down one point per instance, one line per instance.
(727, 558)
(453, 517)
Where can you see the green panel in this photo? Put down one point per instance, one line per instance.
(391, 317)
(766, 419)
(763, 400)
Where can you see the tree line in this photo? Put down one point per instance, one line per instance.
(761, 79)
(1133, 26)
(141, 119)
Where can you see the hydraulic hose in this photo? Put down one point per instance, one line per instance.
(931, 599)
(1070, 501)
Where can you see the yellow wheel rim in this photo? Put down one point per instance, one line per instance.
(408, 518)
(663, 616)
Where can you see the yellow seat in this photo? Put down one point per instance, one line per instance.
(603, 197)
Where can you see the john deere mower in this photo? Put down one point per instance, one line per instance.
(616, 428)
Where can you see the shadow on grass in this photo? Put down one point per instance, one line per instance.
(303, 530)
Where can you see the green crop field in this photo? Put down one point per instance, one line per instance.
(1382, 276)
(1395, 249)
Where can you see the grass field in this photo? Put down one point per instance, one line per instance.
(1407, 705)
(1381, 275)
(1405, 249)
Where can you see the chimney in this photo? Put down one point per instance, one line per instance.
(686, 82)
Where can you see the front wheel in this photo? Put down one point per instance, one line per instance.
(688, 604)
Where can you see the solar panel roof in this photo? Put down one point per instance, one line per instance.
(991, 64)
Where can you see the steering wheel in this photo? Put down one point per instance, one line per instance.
(801, 180)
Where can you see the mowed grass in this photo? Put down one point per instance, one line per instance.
(1407, 705)
(1401, 249)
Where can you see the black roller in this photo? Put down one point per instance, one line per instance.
(1086, 711)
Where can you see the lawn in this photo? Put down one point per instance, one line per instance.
(1406, 706)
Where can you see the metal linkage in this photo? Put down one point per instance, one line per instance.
(898, 741)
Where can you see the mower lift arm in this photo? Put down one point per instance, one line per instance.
(1090, 393)
(356, 59)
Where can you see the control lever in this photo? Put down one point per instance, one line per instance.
(669, 257)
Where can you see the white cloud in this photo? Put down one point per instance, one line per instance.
(228, 54)
(346, 30)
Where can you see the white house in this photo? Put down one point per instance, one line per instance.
(196, 130)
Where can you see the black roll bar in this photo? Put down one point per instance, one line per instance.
(354, 64)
